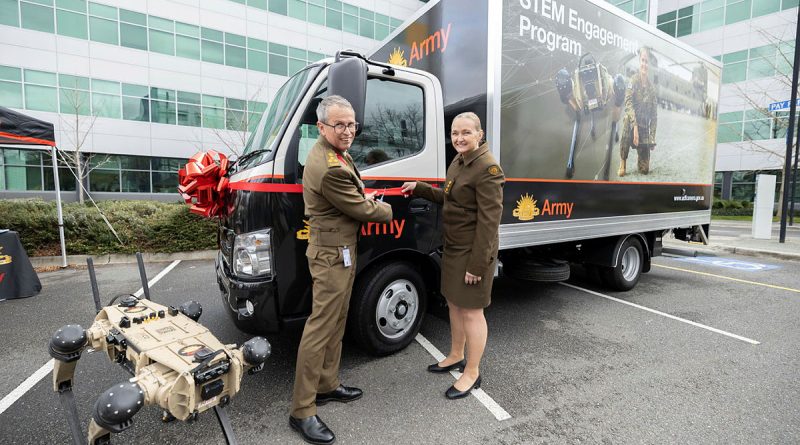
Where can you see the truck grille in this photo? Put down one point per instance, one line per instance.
(225, 243)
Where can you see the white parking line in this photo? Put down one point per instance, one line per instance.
(664, 314)
(496, 410)
(47, 368)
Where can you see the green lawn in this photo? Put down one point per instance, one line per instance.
(737, 218)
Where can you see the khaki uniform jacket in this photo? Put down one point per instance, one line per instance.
(641, 108)
(334, 198)
(472, 201)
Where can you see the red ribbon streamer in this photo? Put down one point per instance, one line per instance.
(203, 184)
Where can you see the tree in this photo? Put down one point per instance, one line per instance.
(240, 118)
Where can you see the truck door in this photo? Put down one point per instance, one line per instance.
(399, 142)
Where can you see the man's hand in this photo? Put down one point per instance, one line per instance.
(370, 196)
(408, 188)
(471, 279)
(635, 135)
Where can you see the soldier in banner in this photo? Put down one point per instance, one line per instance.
(641, 114)
(336, 205)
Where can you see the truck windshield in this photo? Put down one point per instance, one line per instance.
(288, 95)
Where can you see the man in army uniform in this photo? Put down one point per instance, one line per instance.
(336, 205)
(641, 113)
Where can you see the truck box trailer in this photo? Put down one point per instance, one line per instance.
(566, 91)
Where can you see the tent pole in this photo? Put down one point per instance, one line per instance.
(58, 206)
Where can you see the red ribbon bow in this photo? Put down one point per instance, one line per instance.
(203, 183)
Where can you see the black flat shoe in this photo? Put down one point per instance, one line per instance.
(313, 430)
(441, 369)
(342, 394)
(453, 393)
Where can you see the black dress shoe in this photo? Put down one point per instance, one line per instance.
(453, 393)
(341, 394)
(440, 369)
(313, 430)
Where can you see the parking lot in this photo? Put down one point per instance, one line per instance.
(701, 351)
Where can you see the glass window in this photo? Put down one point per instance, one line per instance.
(71, 24)
(134, 162)
(74, 5)
(11, 94)
(136, 109)
(235, 120)
(235, 39)
(133, 36)
(260, 45)
(105, 86)
(787, 4)
(37, 18)
(40, 77)
(278, 6)
(41, 98)
(23, 178)
(211, 34)
(764, 7)
(99, 10)
(394, 124)
(278, 49)
(162, 24)
(729, 132)
(212, 52)
(257, 60)
(757, 129)
(10, 73)
(297, 9)
(162, 93)
(136, 18)
(316, 14)
(23, 157)
(684, 27)
(189, 98)
(213, 101)
(163, 112)
(712, 19)
(162, 42)
(66, 180)
(350, 9)
(188, 47)
(10, 17)
(104, 180)
(74, 102)
(106, 105)
(136, 181)
(278, 65)
(187, 29)
(165, 182)
(189, 115)
(167, 164)
(296, 65)
(81, 83)
(736, 11)
(366, 28)
(260, 4)
(213, 117)
(103, 31)
(235, 56)
(734, 72)
(760, 67)
(350, 24)
(381, 31)
(333, 19)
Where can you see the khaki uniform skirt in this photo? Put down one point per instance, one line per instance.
(455, 291)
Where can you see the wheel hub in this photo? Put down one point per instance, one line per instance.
(397, 308)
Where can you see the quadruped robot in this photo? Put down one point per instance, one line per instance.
(176, 363)
(588, 90)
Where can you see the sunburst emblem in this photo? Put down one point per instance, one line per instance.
(397, 57)
(526, 208)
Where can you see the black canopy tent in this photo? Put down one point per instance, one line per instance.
(20, 129)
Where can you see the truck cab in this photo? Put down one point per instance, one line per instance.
(261, 266)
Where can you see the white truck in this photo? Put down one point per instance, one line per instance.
(561, 88)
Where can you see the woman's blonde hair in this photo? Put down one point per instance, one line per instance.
(471, 116)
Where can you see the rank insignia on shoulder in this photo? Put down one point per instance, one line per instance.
(494, 170)
(332, 160)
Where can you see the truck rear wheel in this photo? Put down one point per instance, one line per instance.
(547, 271)
(387, 308)
(628, 270)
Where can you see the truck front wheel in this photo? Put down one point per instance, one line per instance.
(387, 308)
(625, 275)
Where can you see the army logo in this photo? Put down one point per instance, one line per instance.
(397, 57)
(4, 259)
(494, 170)
(135, 309)
(305, 232)
(189, 351)
(526, 208)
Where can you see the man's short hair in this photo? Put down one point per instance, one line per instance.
(327, 103)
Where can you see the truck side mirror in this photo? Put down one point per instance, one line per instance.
(347, 77)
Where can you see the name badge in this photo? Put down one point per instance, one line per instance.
(346, 255)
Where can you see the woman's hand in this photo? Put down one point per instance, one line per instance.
(370, 196)
(471, 279)
(408, 188)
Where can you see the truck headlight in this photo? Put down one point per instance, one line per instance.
(252, 254)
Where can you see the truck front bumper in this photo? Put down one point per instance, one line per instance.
(251, 304)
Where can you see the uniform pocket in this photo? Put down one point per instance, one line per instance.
(330, 255)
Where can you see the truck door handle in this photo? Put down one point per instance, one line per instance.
(419, 206)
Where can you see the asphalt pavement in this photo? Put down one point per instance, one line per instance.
(703, 350)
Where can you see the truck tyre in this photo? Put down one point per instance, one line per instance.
(387, 308)
(538, 270)
(628, 270)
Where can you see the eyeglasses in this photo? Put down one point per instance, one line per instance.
(340, 127)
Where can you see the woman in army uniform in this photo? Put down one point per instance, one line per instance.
(473, 204)
(641, 115)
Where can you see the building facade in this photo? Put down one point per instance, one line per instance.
(138, 87)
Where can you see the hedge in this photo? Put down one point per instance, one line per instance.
(143, 226)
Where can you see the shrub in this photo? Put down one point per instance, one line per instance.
(143, 226)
